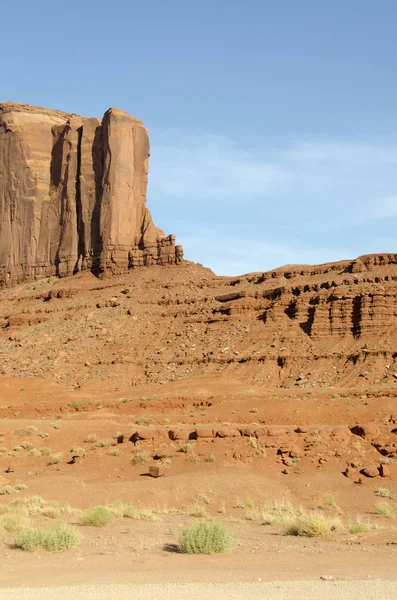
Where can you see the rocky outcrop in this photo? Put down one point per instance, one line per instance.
(351, 298)
(302, 327)
(73, 195)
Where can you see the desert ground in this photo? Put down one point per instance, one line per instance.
(158, 396)
(281, 590)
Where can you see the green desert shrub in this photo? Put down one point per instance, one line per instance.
(98, 516)
(30, 539)
(55, 539)
(205, 537)
(61, 537)
(358, 527)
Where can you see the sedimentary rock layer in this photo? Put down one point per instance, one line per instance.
(73, 195)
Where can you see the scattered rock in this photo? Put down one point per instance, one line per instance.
(369, 431)
(179, 434)
(370, 471)
(203, 431)
(228, 432)
(149, 433)
(156, 471)
(384, 470)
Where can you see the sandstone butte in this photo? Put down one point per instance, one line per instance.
(73, 195)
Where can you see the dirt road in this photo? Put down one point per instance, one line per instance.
(298, 590)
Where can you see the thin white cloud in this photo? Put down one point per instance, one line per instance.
(308, 202)
(231, 255)
(386, 208)
(212, 167)
(343, 153)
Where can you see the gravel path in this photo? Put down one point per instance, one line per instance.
(284, 590)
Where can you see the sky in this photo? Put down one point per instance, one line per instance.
(273, 123)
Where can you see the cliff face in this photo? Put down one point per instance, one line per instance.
(298, 326)
(73, 195)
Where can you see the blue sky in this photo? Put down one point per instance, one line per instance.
(273, 124)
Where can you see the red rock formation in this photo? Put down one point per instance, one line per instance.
(73, 195)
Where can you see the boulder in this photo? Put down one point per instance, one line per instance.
(179, 434)
(369, 431)
(203, 431)
(261, 431)
(149, 434)
(350, 473)
(156, 471)
(341, 432)
(227, 432)
(370, 471)
(275, 431)
(384, 470)
(248, 430)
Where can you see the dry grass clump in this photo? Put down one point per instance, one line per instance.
(298, 521)
(34, 452)
(206, 537)
(142, 456)
(197, 511)
(186, 448)
(382, 492)
(55, 539)
(193, 458)
(91, 438)
(77, 451)
(329, 501)
(102, 444)
(115, 452)
(13, 521)
(141, 514)
(45, 451)
(98, 516)
(56, 459)
(36, 505)
(310, 524)
(12, 489)
(27, 445)
(31, 506)
(142, 420)
(275, 513)
(52, 512)
(384, 509)
(24, 432)
(360, 526)
(129, 511)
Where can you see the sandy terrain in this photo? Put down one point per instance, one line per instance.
(300, 590)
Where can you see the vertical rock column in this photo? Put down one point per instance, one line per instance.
(73, 195)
